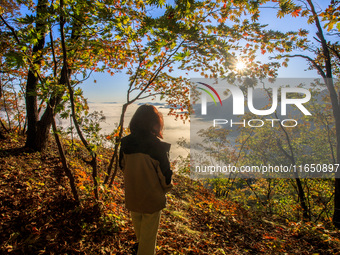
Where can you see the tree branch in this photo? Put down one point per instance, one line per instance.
(322, 73)
(12, 30)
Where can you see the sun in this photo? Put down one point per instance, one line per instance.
(240, 65)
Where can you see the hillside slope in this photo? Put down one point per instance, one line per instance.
(38, 215)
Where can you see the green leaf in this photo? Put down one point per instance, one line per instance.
(158, 3)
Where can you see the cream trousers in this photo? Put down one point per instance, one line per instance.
(146, 227)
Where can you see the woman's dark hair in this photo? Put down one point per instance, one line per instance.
(147, 120)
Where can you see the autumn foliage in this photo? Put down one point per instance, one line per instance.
(61, 196)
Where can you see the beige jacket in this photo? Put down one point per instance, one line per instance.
(147, 174)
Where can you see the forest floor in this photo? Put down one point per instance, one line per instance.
(39, 216)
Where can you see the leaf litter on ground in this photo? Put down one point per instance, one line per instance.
(39, 216)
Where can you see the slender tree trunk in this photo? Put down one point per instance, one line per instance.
(66, 75)
(302, 199)
(290, 156)
(17, 109)
(2, 125)
(2, 128)
(336, 113)
(7, 114)
(115, 158)
(300, 191)
(335, 107)
(64, 163)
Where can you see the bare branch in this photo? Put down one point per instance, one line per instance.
(150, 95)
(12, 30)
(53, 54)
(80, 81)
(160, 68)
(322, 73)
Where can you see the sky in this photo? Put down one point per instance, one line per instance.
(102, 87)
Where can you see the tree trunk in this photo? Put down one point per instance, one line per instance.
(336, 215)
(115, 158)
(336, 114)
(44, 124)
(64, 162)
(66, 78)
(38, 130)
(32, 81)
(302, 199)
(31, 110)
(2, 126)
(328, 78)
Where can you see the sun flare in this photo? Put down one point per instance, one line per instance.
(240, 65)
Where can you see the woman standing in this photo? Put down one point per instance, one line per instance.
(147, 175)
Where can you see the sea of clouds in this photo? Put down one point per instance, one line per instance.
(173, 129)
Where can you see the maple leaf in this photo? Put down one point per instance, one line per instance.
(296, 12)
